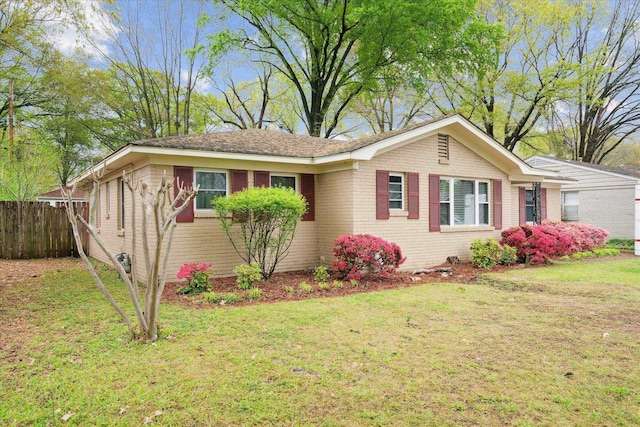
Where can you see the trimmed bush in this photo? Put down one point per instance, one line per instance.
(261, 223)
(538, 243)
(488, 254)
(360, 253)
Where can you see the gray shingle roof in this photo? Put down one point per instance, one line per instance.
(267, 142)
(630, 170)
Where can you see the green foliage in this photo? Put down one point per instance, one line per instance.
(321, 273)
(487, 254)
(200, 282)
(254, 294)
(289, 289)
(212, 297)
(338, 284)
(231, 298)
(627, 244)
(354, 283)
(305, 287)
(323, 286)
(261, 223)
(347, 39)
(248, 275)
(602, 252)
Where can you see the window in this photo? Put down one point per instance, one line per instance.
(107, 199)
(529, 205)
(286, 181)
(396, 191)
(570, 205)
(464, 202)
(212, 184)
(121, 188)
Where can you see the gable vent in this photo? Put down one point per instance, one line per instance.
(443, 146)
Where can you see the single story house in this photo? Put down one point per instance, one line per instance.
(605, 196)
(54, 197)
(432, 188)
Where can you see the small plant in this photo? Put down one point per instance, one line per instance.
(627, 244)
(231, 298)
(338, 284)
(254, 294)
(606, 252)
(354, 283)
(321, 273)
(212, 297)
(323, 286)
(248, 275)
(305, 287)
(289, 289)
(198, 276)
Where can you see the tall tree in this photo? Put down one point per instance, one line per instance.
(332, 50)
(508, 100)
(152, 70)
(603, 108)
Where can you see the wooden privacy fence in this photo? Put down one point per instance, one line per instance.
(38, 230)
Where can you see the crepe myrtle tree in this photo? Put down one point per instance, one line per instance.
(159, 208)
(261, 223)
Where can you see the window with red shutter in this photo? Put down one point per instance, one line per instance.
(413, 195)
(382, 194)
(239, 180)
(497, 204)
(308, 191)
(184, 178)
(434, 202)
(261, 179)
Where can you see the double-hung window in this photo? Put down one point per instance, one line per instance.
(396, 191)
(528, 205)
(213, 184)
(464, 202)
(570, 205)
(286, 181)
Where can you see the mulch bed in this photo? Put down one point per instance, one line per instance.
(275, 289)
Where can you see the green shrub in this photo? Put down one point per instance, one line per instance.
(254, 293)
(606, 252)
(261, 223)
(212, 297)
(289, 289)
(338, 284)
(321, 273)
(305, 287)
(323, 286)
(231, 298)
(248, 275)
(488, 254)
(582, 255)
(627, 244)
(354, 283)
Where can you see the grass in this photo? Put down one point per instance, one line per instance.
(542, 346)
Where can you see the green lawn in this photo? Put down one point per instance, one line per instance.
(557, 345)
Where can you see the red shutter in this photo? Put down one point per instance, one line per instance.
(522, 197)
(308, 190)
(183, 177)
(239, 180)
(413, 193)
(382, 194)
(497, 204)
(434, 202)
(543, 202)
(261, 179)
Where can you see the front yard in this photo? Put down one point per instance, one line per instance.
(555, 345)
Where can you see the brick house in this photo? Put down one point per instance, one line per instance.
(605, 196)
(432, 188)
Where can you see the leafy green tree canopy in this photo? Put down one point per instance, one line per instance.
(332, 50)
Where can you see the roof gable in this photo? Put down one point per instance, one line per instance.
(629, 171)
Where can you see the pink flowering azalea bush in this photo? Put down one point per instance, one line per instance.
(538, 243)
(198, 276)
(359, 253)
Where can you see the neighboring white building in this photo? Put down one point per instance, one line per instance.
(607, 197)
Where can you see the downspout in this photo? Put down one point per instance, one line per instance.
(637, 217)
